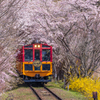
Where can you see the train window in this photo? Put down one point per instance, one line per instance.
(45, 55)
(45, 46)
(28, 67)
(45, 66)
(37, 68)
(28, 54)
(37, 54)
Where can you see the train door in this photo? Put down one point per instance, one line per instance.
(37, 54)
(37, 67)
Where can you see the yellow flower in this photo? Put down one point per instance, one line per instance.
(85, 85)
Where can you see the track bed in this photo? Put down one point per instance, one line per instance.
(43, 93)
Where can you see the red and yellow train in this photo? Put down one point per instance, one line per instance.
(34, 62)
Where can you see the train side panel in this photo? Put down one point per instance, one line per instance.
(19, 62)
(19, 67)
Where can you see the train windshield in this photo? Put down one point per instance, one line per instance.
(28, 55)
(37, 54)
(45, 55)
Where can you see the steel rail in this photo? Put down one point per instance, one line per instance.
(52, 93)
(35, 92)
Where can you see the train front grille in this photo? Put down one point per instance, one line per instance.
(37, 68)
(28, 67)
(45, 66)
(31, 67)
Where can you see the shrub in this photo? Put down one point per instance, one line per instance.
(85, 86)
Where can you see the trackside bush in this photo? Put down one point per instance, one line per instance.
(85, 86)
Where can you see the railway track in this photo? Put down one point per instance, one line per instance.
(52, 93)
(35, 92)
(45, 93)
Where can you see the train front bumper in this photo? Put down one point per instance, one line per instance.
(37, 80)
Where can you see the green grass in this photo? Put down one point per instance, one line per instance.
(20, 93)
(24, 93)
(69, 94)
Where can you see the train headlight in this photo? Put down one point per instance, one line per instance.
(38, 46)
(35, 46)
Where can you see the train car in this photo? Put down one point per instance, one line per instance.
(34, 62)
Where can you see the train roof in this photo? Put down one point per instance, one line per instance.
(31, 45)
(37, 43)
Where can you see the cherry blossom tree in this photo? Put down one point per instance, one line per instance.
(71, 27)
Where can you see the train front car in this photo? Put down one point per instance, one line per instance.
(34, 63)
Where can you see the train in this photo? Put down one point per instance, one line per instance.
(34, 62)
